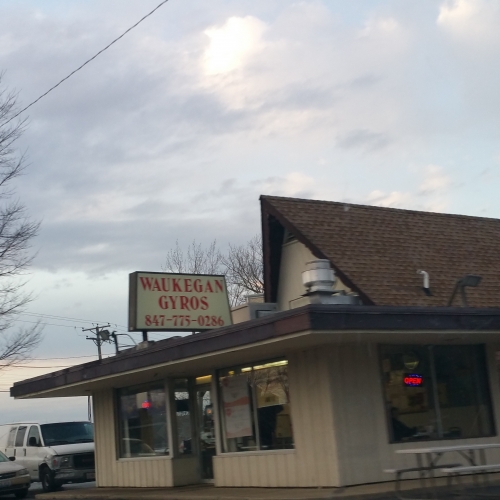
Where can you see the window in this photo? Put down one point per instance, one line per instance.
(256, 407)
(67, 433)
(12, 436)
(436, 392)
(21, 432)
(33, 436)
(143, 421)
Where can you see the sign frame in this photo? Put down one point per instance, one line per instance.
(187, 325)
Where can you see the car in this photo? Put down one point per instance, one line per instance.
(14, 478)
(54, 453)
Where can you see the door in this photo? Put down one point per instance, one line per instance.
(206, 429)
(35, 452)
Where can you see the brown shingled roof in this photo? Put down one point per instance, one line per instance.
(378, 251)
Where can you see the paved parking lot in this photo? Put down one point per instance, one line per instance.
(36, 488)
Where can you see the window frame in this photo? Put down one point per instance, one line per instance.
(253, 411)
(119, 431)
(480, 348)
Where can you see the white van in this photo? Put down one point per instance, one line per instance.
(54, 454)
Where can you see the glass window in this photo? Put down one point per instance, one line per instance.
(143, 421)
(256, 407)
(12, 436)
(436, 392)
(33, 436)
(183, 416)
(21, 432)
(67, 433)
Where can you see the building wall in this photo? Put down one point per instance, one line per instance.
(313, 462)
(361, 431)
(339, 424)
(129, 472)
(294, 257)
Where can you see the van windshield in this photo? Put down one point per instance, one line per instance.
(3, 458)
(67, 433)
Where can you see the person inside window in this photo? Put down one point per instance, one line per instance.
(399, 429)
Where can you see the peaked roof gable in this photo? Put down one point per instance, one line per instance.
(377, 251)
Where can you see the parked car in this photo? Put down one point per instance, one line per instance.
(14, 478)
(55, 453)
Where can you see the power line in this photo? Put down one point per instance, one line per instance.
(68, 318)
(86, 62)
(37, 367)
(66, 357)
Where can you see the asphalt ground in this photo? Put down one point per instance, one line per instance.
(205, 492)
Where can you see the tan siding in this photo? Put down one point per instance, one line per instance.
(361, 421)
(313, 462)
(126, 472)
(294, 256)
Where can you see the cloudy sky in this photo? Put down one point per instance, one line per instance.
(174, 132)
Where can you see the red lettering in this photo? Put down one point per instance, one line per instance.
(146, 283)
(163, 301)
(194, 302)
(204, 303)
(173, 301)
(156, 286)
(188, 285)
(198, 287)
(175, 285)
(208, 287)
(219, 285)
(164, 284)
(184, 302)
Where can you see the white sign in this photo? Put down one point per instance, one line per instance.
(236, 402)
(163, 301)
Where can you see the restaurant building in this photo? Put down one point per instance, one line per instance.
(320, 381)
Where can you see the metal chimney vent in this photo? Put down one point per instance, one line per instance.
(318, 276)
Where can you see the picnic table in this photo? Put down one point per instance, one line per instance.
(429, 461)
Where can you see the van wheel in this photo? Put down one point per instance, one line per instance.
(48, 483)
(21, 493)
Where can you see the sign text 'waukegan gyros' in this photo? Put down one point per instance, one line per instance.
(164, 301)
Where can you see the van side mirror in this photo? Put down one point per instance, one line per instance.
(12, 459)
(32, 441)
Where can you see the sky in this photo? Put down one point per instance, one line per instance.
(174, 132)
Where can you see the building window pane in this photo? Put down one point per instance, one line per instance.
(256, 407)
(143, 421)
(436, 392)
(183, 416)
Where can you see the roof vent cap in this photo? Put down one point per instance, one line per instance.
(318, 276)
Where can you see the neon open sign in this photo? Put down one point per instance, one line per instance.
(413, 380)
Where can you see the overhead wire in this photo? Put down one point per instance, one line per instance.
(85, 63)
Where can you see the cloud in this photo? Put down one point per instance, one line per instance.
(231, 44)
(473, 20)
(364, 140)
(435, 180)
(395, 199)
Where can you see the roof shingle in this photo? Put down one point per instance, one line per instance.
(379, 250)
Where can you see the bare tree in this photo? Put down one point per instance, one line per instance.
(195, 260)
(16, 233)
(244, 269)
(240, 264)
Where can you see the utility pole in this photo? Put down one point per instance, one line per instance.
(101, 335)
